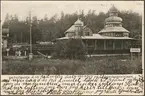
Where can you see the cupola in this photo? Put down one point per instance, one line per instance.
(79, 23)
(113, 11)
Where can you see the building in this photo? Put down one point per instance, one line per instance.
(78, 29)
(113, 38)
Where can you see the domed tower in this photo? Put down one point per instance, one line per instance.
(78, 27)
(79, 23)
(113, 25)
(75, 29)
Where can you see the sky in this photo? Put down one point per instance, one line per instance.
(40, 8)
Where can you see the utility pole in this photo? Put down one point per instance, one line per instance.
(30, 54)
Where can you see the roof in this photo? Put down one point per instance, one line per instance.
(71, 29)
(95, 36)
(113, 9)
(98, 36)
(79, 22)
(113, 29)
(113, 19)
(84, 26)
(124, 38)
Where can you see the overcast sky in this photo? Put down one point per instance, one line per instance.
(40, 8)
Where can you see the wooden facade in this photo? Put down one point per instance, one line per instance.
(108, 46)
(113, 38)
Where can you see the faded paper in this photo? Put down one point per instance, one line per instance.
(72, 85)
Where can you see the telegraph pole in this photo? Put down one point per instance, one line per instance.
(30, 54)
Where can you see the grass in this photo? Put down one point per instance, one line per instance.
(93, 65)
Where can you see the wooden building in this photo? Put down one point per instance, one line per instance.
(113, 38)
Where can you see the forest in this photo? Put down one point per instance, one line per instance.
(48, 29)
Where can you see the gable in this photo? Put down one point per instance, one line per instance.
(71, 29)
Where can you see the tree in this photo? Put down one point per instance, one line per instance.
(49, 29)
(6, 21)
(71, 49)
(133, 22)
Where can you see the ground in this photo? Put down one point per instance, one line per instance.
(93, 65)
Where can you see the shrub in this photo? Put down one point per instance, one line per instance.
(106, 65)
(70, 49)
(59, 50)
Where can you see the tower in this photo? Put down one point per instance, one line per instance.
(113, 25)
(78, 27)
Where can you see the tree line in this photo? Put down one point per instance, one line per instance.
(49, 29)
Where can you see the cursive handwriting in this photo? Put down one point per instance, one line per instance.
(72, 85)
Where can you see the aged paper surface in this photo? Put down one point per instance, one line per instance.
(72, 85)
(30, 66)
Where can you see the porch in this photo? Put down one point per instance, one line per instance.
(109, 46)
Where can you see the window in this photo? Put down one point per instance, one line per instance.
(118, 34)
(117, 25)
(109, 44)
(126, 44)
(87, 33)
(120, 25)
(111, 34)
(109, 25)
(125, 34)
